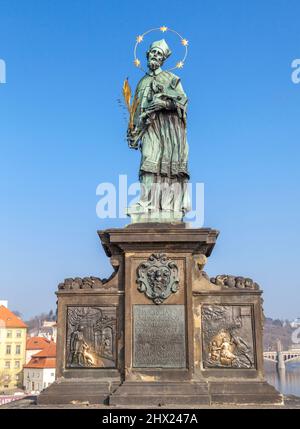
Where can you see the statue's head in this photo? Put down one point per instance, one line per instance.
(158, 52)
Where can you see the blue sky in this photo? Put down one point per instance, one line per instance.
(62, 133)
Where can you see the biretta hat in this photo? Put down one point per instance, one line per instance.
(161, 44)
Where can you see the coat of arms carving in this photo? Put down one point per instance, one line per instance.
(158, 277)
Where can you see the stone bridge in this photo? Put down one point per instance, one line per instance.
(283, 357)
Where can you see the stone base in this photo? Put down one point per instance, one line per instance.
(160, 394)
(77, 391)
(175, 338)
(244, 392)
(194, 394)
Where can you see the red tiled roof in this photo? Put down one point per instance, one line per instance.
(47, 352)
(37, 343)
(10, 319)
(37, 362)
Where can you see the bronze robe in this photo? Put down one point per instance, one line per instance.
(163, 133)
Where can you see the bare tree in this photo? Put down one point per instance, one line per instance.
(18, 314)
(36, 322)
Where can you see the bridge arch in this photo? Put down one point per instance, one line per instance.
(269, 359)
(295, 358)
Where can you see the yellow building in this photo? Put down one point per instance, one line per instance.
(12, 350)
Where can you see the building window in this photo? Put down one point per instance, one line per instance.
(18, 334)
(17, 377)
(8, 349)
(18, 349)
(17, 364)
(9, 334)
(7, 364)
(52, 374)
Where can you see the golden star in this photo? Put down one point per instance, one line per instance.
(163, 28)
(139, 39)
(179, 65)
(137, 62)
(184, 42)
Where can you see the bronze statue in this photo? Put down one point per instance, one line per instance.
(158, 126)
(78, 347)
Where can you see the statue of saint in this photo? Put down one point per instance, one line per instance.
(78, 346)
(159, 129)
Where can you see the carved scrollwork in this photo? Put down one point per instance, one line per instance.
(158, 277)
(239, 282)
(93, 282)
(81, 283)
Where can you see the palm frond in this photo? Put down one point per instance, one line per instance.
(127, 93)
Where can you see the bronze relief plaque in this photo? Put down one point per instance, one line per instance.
(227, 336)
(159, 336)
(91, 337)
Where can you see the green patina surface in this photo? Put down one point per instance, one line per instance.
(160, 133)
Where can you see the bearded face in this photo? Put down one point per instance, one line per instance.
(155, 58)
(159, 278)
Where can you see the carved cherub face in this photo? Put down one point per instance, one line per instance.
(159, 277)
(155, 58)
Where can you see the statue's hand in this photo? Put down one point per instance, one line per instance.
(158, 103)
(132, 138)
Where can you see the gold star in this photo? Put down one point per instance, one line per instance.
(184, 42)
(139, 39)
(137, 62)
(163, 28)
(179, 65)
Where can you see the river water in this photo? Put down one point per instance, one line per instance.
(288, 381)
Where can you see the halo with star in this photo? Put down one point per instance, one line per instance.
(163, 29)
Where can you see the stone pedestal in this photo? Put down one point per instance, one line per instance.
(159, 331)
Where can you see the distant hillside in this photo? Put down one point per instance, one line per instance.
(36, 322)
(274, 330)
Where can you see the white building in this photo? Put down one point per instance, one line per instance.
(48, 330)
(295, 323)
(39, 372)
